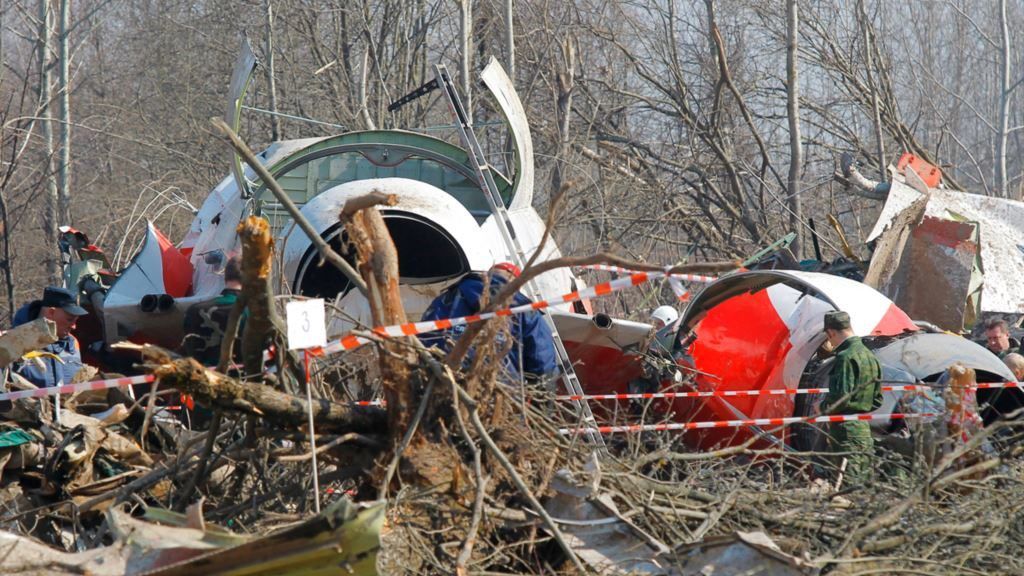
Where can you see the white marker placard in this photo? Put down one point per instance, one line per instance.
(307, 327)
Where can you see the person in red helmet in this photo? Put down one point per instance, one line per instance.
(532, 353)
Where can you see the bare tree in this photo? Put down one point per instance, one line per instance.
(64, 115)
(1003, 125)
(793, 112)
(466, 53)
(51, 213)
(275, 120)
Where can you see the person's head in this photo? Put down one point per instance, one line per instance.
(837, 327)
(505, 270)
(233, 273)
(60, 306)
(663, 316)
(1015, 362)
(997, 336)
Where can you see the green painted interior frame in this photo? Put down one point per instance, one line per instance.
(377, 154)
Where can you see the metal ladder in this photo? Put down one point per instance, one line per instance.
(497, 205)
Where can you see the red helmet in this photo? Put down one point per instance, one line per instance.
(508, 267)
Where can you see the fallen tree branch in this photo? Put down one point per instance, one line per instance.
(524, 490)
(378, 264)
(219, 391)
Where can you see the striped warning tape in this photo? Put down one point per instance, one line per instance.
(732, 393)
(741, 423)
(352, 341)
(677, 275)
(73, 388)
(777, 392)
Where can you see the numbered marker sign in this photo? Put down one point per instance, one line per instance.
(306, 325)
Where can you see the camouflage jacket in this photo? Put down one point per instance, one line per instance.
(854, 385)
(205, 324)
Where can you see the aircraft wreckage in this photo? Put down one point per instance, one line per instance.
(751, 330)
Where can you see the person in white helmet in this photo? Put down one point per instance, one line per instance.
(664, 316)
(664, 320)
(659, 363)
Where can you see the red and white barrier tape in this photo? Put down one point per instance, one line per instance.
(776, 392)
(740, 423)
(352, 341)
(680, 276)
(81, 387)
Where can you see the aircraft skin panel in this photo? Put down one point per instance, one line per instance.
(742, 342)
(504, 92)
(606, 360)
(158, 268)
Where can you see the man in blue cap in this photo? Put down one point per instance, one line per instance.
(59, 362)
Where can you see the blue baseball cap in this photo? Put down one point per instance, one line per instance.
(66, 300)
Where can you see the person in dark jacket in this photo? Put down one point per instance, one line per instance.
(59, 362)
(532, 353)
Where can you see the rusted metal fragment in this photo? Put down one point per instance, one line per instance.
(1001, 229)
(926, 267)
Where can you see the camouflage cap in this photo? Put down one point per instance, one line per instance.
(837, 320)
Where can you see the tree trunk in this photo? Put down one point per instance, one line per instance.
(793, 111)
(264, 325)
(566, 81)
(219, 391)
(378, 264)
(275, 120)
(50, 211)
(64, 111)
(510, 42)
(875, 105)
(1004, 103)
(466, 46)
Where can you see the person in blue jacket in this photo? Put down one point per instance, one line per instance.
(532, 353)
(61, 360)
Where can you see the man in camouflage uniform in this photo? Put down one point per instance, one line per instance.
(854, 387)
(205, 323)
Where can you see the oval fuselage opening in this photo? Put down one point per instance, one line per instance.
(427, 254)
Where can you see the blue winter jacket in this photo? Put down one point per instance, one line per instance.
(533, 343)
(53, 373)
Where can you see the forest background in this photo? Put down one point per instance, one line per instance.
(677, 129)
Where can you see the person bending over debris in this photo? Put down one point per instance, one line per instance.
(532, 353)
(997, 338)
(854, 387)
(58, 363)
(206, 322)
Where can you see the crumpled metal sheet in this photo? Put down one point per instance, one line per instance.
(748, 553)
(1002, 237)
(598, 534)
(25, 556)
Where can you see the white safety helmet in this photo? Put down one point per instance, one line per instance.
(664, 316)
